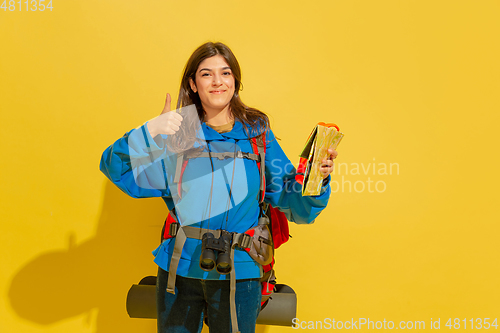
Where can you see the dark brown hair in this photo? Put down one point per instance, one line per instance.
(254, 121)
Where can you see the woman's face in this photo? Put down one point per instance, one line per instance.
(214, 84)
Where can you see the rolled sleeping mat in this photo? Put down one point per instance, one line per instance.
(141, 299)
(281, 307)
(279, 310)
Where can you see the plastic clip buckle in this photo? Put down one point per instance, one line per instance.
(244, 241)
(174, 227)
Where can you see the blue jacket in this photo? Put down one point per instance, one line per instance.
(144, 167)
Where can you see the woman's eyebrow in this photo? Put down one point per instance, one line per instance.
(209, 69)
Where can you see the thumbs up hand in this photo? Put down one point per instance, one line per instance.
(168, 122)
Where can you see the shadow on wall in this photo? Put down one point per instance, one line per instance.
(97, 273)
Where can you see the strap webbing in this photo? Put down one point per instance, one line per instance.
(262, 174)
(227, 154)
(180, 239)
(197, 233)
(232, 294)
(261, 151)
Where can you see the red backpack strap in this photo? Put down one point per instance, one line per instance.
(261, 151)
(279, 222)
(179, 184)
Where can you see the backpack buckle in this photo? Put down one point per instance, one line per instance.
(243, 240)
(240, 154)
(173, 229)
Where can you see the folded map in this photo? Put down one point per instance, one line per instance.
(323, 137)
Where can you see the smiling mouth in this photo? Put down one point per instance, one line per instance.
(217, 92)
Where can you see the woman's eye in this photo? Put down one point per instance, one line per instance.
(205, 74)
(227, 73)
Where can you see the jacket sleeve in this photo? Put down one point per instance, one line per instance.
(284, 192)
(135, 163)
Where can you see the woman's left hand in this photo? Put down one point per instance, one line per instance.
(326, 167)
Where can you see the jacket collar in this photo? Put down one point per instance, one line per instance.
(238, 132)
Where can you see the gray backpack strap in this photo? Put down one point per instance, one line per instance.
(232, 295)
(180, 239)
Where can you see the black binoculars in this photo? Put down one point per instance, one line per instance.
(211, 248)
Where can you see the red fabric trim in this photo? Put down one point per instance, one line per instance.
(280, 230)
(179, 184)
(267, 288)
(301, 170)
(256, 151)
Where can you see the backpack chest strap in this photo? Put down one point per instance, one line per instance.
(183, 158)
(225, 154)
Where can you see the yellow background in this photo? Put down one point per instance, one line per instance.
(409, 82)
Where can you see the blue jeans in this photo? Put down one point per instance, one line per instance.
(184, 311)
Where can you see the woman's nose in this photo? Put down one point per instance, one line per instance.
(217, 80)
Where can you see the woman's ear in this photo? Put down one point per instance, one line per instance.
(193, 85)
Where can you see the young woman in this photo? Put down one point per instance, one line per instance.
(215, 192)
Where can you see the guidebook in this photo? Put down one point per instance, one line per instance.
(322, 137)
